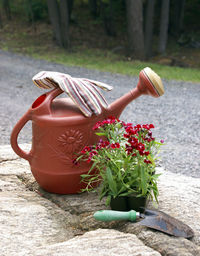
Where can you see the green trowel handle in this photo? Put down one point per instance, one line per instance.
(109, 215)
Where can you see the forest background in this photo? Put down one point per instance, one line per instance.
(110, 35)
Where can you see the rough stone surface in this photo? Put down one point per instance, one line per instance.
(102, 242)
(41, 223)
(28, 221)
(179, 197)
(6, 152)
(16, 167)
(164, 244)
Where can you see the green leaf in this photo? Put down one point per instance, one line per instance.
(122, 189)
(151, 159)
(100, 133)
(128, 193)
(111, 182)
(79, 158)
(85, 176)
(92, 167)
(103, 193)
(155, 176)
(108, 199)
(119, 161)
(143, 180)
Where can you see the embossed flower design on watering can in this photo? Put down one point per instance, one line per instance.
(71, 140)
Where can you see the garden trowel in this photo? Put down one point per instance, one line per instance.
(153, 219)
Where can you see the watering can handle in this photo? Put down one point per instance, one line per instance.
(45, 107)
(14, 135)
(41, 104)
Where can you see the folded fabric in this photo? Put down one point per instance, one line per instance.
(84, 92)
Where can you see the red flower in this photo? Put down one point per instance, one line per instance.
(126, 135)
(141, 152)
(112, 145)
(112, 119)
(126, 125)
(89, 160)
(106, 143)
(93, 152)
(115, 145)
(140, 147)
(129, 148)
(97, 125)
(146, 153)
(147, 161)
(133, 141)
(85, 149)
(129, 129)
(138, 126)
(98, 147)
(145, 126)
(75, 162)
(102, 144)
(109, 120)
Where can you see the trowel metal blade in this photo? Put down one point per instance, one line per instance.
(163, 222)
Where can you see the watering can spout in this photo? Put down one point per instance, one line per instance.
(149, 84)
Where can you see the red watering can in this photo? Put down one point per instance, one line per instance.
(60, 131)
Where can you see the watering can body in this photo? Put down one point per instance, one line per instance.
(59, 133)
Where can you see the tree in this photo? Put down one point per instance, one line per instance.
(134, 13)
(164, 20)
(178, 15)
(1, 22)
(64, 23)
(70, 4)
(148, 31)
(59, 17)
(31, 14)
(107, 12)
(6, 6)
(93, 6)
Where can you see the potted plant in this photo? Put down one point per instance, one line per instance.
(124, 162)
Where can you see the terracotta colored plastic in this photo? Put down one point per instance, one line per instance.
(60, 131)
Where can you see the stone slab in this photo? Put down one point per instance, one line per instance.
(14, 167)
(28, 221)
(101, 242)
(41, 223)
(6, 152)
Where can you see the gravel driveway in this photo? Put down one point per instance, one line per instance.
(176, 115)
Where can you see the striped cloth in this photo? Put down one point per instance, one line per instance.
(84, 92)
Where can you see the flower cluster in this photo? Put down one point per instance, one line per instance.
(90, 151)
(136, 141)
(109, 120)
(139, 138)
(123, 159)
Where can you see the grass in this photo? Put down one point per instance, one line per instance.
(101, 60)
(39, 44)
